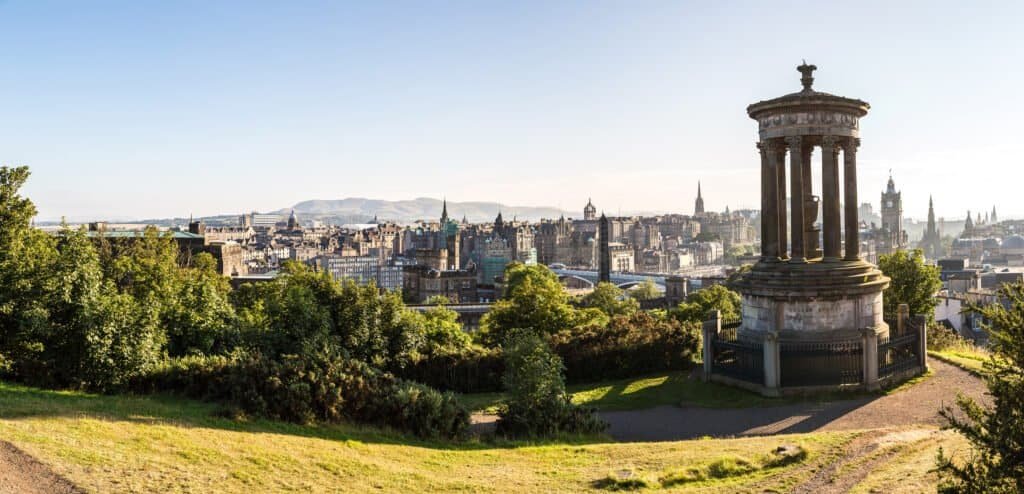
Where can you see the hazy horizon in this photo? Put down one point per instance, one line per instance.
(165, 110)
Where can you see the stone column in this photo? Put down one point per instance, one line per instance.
(902, 318)
(772, 366)
(850, 190)
(780, 194)
(810, 207)
(769, 204)
(869, 340)
(712, 326)
(796, 166)
(830, 198)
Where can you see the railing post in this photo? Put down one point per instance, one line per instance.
(772, 375)
(869, 340)
(902, 317)
(712, 326)
(921, 326)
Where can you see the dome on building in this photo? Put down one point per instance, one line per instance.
(1013, 242)
(991, 243)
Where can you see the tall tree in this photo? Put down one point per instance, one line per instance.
(697, 305)
(997, 432)
(611, 300)
(534, 299)
(913, 283)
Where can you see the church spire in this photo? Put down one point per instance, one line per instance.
(444, 211)
(698, 207)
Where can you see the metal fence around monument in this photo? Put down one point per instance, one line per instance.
(897, 354)
(737, 358)
(821, 363)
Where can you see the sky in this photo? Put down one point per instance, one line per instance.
(154, 109)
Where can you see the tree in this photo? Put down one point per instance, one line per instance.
(913, 283)
(443, 334)
(610, 300)
(699, 303)
(996, 432)
(203, 320)
(27, 256)
(646, 290)
(538, 404)
(533, 299)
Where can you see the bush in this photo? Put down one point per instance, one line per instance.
(324, 388)
(194, 376)
(628, 346)
(476, 370)
(538, 404)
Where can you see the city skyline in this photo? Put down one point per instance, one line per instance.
(260, 107)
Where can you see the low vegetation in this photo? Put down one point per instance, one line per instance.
(168, 444)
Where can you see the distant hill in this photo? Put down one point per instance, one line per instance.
(356, 209)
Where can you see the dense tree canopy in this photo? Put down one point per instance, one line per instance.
(913, 283)
(697, 305)
(611, 300)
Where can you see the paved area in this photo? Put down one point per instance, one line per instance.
(919, 404)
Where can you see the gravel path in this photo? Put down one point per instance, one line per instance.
(24, 474)
(919, 404)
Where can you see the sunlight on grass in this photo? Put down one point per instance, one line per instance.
(163, 444)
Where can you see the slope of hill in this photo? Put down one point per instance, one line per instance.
(361, 209)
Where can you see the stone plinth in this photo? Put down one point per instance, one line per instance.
(818, 301)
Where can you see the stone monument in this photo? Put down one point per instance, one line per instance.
(800, 291)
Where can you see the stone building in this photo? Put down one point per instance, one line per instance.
(420, 283)
(931, 240)
(891, 237)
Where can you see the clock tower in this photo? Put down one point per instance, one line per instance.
(893, 236)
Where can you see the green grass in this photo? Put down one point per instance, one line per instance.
(675, 388)
(964, 355)
(165, 444)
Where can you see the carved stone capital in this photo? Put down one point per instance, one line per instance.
(795, 142)
(850, 145)
(769, 146)
(829, 142)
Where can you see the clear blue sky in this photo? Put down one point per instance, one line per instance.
(142, 109)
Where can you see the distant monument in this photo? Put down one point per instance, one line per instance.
(811, 316)
(604, 264)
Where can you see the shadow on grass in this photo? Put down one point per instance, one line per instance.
(18, 402)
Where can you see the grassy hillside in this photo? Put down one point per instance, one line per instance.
(162, 444)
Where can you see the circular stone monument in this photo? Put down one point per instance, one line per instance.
(810, 285)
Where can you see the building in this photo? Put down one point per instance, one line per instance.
(421, 283)
(891, 237)
(698, 205)
(931, 240)
(362, 270)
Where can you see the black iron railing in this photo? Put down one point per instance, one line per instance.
(820, 364)
(897, 354)
(736, 358)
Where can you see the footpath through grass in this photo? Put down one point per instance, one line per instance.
(675, 388)
(164, 444)
(964, 355)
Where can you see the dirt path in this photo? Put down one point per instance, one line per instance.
(917, 405)
(23, 474)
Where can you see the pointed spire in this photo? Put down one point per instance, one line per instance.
(698, 189)
(444, 210)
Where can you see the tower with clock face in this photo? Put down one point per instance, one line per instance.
(892, 219)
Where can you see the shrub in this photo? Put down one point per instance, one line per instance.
(626, 347)
(538, 404)
(325, 388)
(475, 370)
(195, 376)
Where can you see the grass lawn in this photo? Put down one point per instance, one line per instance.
(968, 357)
(165, 444)
(674, 388)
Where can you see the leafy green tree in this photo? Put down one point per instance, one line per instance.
(610, 300)
(913, 283)
(27, 256)
(697, 305)
(538, 404)
(533, 299)
(646, 290)
(203, 320)
(996, 432)
(443, 334)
